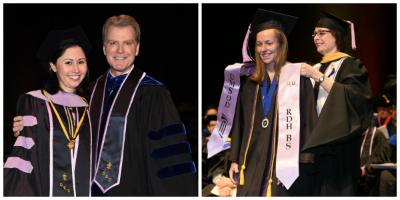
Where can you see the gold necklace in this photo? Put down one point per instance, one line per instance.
(71, 143)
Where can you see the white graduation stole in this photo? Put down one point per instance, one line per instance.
(287, 159)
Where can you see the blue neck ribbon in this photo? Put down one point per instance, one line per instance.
(267, 97)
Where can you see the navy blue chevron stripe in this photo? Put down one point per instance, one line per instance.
(176, 170)
(166, 131)
(171, 150)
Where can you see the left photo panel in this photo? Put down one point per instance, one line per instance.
(100, 100)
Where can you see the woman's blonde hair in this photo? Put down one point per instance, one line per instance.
(259, 74)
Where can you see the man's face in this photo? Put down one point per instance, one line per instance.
(211, 126)
(384, 111)
(120, 48)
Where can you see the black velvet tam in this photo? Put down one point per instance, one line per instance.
(56, 38)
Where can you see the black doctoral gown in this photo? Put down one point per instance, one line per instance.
(41, 164)
(336, 137)
(152, 109)
(259, 152)
(381, 182)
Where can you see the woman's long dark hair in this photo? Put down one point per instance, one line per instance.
(52, 85)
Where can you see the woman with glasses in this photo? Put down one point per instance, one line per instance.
(343, 95)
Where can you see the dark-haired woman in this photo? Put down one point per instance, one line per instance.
(52, 155)
(344, 104)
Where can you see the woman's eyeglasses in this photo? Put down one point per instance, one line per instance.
(320, 33)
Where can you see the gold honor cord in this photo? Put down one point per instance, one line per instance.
(71, 143)
(247, 148)
(273, 155)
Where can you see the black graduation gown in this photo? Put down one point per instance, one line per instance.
(38, 181)
(336, 137)
(219, 163)
(152, 109)
(259, 152)
(206, 183)
(381, 182)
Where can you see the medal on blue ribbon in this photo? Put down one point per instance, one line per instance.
(266, 98)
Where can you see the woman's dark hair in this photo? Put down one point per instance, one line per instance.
(340, 42)
(52, 85)
(209, 108)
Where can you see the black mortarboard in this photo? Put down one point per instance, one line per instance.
(56, 38)
(264, 20)
(383, 100)
(334, 23)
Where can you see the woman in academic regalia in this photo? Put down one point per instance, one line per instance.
(52, 154)
(344, 105)
(255, 128)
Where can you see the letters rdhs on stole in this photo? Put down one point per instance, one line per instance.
(288, 126)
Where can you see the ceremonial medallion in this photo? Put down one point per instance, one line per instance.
(265, 123)
(71, 145)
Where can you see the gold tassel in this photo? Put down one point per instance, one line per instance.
(269, 188)
(242, 175)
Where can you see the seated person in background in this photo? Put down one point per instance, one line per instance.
(211, 110)
(216, 169)
(366, 145)
(383, 103)
(211, 120)
(382, 182)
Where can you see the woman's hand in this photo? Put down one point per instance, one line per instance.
(234, 169)
(225, 192)
(18, 125)
(310, 72)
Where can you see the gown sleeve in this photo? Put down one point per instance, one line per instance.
(347, 111)
(155, 130)
(21, 171)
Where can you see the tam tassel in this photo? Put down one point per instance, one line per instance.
(245, 49)
(353, 37)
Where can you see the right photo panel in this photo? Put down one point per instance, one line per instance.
(299, 100)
